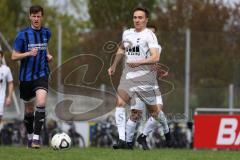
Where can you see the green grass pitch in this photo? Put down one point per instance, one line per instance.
(21, 153)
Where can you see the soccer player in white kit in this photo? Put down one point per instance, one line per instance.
(6, 79)
(136, 111)
(138, 80)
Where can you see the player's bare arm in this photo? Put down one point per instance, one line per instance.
(18, 56)
(119, 55)
(49, 56)
(8, 100)
(152, 59)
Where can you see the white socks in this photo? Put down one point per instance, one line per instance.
(35, 136)
(163, 121)
(30, 136)
(130, 129)
(120, 117)
(149, 126)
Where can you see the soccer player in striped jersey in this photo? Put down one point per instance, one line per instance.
(31, 48)
(138, 80)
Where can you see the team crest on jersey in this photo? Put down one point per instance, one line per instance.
(130, 49)
(135, 50)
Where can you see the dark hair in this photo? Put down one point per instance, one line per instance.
(35, 9)
(152, 26)
(141, 9)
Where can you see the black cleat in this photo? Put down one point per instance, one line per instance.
(130, 145)
(168, 139)
(142, 141)
(120, 145)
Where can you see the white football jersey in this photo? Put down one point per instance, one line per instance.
(159, 50)
(5, 77)
(137, 46)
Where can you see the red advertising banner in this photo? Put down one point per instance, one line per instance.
(216, 131)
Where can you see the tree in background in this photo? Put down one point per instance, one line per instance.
(109, 19)
(14, 16)
(215, 39)
(212, 55)
(114, 15)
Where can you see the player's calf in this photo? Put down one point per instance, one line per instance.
(38, 121)
(131, 126)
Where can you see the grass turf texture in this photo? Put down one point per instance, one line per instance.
(21, 153)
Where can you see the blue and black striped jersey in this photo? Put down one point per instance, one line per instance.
(33, 67)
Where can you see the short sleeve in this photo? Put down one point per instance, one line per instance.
(124, 42)
(18, 44)
(152, 40)
(49, 34)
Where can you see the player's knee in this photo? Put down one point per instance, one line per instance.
(134, 118)
(154, 114)
(41, 103)
(154, 111)
(29, 109)
(120, 103)
(135, 115)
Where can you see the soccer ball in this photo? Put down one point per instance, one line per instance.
(61, 141)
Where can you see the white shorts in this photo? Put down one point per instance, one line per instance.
(139, 104)
(1, 108)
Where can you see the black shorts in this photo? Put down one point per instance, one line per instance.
(28, 88)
